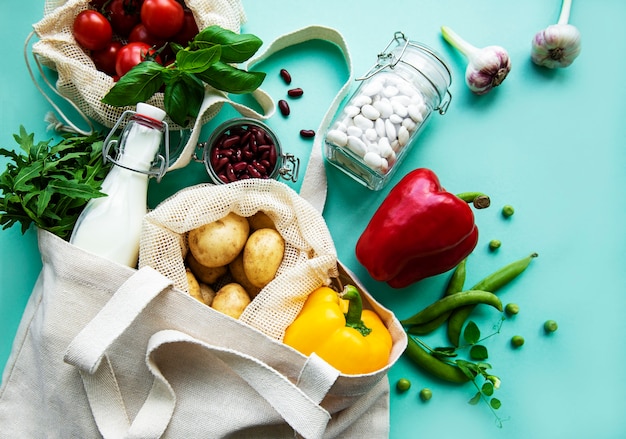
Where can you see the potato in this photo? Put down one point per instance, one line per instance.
(207, 275)
(262, 255)
(231, 300)
(216, 244)
(207, 293)
(239, 275)
(260, 220)
(194, 286)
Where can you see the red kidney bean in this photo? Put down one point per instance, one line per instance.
(295, 92)
(283, 106)
(307, 133)
(285, 75)
(243, 152)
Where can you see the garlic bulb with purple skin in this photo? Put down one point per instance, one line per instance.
(557, 45)
(487, 67)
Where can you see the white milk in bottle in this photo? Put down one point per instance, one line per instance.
(111, 226)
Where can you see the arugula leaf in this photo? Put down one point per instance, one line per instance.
(48, 185)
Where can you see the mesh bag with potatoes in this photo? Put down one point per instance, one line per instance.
(309, 259)
(80, 81)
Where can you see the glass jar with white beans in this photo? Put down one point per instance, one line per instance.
(376, 126)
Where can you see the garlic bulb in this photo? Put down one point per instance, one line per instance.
(557, 45)
(487, 67)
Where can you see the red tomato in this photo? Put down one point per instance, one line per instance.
(163, 18)
(92, 30)
(188, 31)
(140, 33)
(124, 15)
(105, 59)
(132, 54)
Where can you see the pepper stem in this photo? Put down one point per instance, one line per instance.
(478, 199)
(355, 309)
(456, 41)
(565, 10)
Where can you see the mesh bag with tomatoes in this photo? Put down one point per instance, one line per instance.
(88, 43)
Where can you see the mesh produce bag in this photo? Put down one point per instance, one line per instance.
(310, 257)
(80, 81)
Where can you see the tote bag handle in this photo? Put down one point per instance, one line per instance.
(298, 404)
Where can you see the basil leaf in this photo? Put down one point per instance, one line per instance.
(137, 85)
(198, 60)
(231, 79)
(183, 96)
(236, 48)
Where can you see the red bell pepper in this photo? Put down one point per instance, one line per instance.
(420, 230)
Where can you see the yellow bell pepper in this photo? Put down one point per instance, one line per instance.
(356, 342)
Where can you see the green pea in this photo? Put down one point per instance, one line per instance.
(426, 394)
(403, 385)
(550, 326)
(493, 283)
(517, 341)
(494, 244)
(507, 211)
(511, 309)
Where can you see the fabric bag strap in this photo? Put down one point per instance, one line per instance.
(297, 404)
(314, 185)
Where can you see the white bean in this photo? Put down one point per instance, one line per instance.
(384, 107)
(356, 145)
(363, 122)
(415, 113)
(360, 100)
(337, 137)
(390, 91)
(373, 160)
(403, 136)
(379, 125)
(371, 134)
(354, 131)
(396, 119)
(370, 112)
(390, 129)
(352, 110)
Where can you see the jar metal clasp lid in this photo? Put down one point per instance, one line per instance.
(387, 59)
(290, 167)
(160, 164)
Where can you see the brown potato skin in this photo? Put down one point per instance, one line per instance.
(207, 275)
(238, 274)
(260, 220)
(262, 256)
(216, 244)
(232, 299)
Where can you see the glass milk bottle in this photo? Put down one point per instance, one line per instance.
(376, 126)
(111, 226)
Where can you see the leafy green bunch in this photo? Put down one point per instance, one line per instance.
(207, 59)
(49, 185)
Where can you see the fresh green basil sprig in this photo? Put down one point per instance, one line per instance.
(49, 184)
(207, 59)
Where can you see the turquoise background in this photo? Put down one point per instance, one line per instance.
(550, 143)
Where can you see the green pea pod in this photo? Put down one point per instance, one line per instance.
(492, 283)
(432, 365)
(455, 285)
(454, 301)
